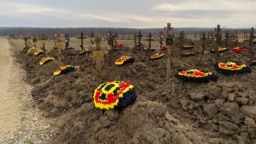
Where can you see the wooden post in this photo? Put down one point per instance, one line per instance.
(116, 35)
(43, 42)
(203, 43)
(34, 40)
(236, 36)
(169, 43)
(98, 56)
(218, 42)
(139, 36)
(59, 45)
(66, 40)
(111, 39)
(161, 37)
(251, 44)
(182, 38)
(92, 36)
(82, 41)
(135, 40)
(149, 41)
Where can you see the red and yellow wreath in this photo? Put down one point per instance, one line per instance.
(238, 49)
(220, 49)
(196, 75)
(118, 45)
(156, 56)
(124, 59)
(63, 70)
(46, 60)
(30, 49)
(114, 95)
(232, 68)
(38, 52)
(187, 46)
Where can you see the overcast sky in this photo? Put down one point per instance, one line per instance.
(128, 13)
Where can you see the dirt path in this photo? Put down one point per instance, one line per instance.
(19, 119)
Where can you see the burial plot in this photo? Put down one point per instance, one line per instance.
(64, 68)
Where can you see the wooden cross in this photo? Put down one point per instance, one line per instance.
(34, 40)
(43, 42)
(97, 40)
(135, 40)
(139, 36)
(168, 42)
(182, 37)
(111, 39)
(251, 44)
(203, 42)
(26, 41)
(59, 45)
(149, 41)
(161, 37)
(169, 39)
(98, 55)
(92, 36)
(66, 40)
(82, 41)
(116, 35)
(218, 42)
(203, 38)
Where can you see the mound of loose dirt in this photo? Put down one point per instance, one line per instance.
(172, 112)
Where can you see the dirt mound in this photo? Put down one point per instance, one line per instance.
(173, 112)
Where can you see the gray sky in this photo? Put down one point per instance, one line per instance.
(128, 13)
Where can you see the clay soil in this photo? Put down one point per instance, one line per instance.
(175, 112)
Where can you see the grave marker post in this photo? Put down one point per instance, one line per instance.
(218, 42)
(43, 42)
(66, 40)
(34, 40)
(98, 56)
(161, 37)
(203, 39)
(149, 41)
(203, 42)
(82, 41)
(251, 44)
(169, 43)
(111, 40)
(59, 45)
(135, 40)
(139, 41)
(26, 41)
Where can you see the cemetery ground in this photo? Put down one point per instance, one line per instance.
(164, 112)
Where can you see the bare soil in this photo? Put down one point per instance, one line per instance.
(175, 112)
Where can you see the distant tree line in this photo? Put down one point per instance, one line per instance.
(6, 31)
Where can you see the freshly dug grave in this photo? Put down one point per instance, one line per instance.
(164, 112)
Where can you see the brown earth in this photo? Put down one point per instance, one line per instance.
(175, 112)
